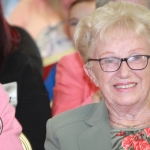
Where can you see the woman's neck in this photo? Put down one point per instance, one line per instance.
(129, 116)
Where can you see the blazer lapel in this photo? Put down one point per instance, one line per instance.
(97, 137)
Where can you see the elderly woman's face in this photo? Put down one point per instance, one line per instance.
(123, 87)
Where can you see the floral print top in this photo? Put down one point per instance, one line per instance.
(130, 139)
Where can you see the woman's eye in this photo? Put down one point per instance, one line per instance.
(109, 61)
(136, 58)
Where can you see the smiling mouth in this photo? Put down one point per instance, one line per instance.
(125, 86)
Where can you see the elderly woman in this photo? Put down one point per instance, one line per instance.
(114, 42)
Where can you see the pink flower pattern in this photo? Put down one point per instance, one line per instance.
(130, 140)
(147, 131)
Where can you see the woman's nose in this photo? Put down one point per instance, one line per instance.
(124, 70)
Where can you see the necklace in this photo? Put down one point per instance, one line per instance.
(126, 126)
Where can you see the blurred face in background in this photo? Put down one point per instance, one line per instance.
(65, 6)
(77, 12)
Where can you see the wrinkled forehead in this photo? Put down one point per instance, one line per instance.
(116, 35)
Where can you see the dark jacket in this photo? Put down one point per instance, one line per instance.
(33, 108)
(29, 47)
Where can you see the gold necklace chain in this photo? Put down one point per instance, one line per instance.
(126, 126)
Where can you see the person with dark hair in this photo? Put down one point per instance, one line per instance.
(17, 65)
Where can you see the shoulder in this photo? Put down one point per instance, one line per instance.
(70, 117)
(27, 43)
(22, 32)
(16, 63)
(29, 47)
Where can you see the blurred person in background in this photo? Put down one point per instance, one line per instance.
(45, 22)
(25, 80)
(33, 16)
(73, 88)
(65, 4)
(53, 41)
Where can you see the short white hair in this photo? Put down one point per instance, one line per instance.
(106, 21)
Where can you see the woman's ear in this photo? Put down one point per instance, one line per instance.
(90, 73)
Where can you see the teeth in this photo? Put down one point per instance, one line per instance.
(125, 86)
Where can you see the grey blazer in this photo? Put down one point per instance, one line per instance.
(84, 128)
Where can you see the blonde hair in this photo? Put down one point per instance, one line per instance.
(106, 21)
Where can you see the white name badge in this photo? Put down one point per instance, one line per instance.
(11, 89)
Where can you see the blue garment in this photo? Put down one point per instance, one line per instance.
(50, 82)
